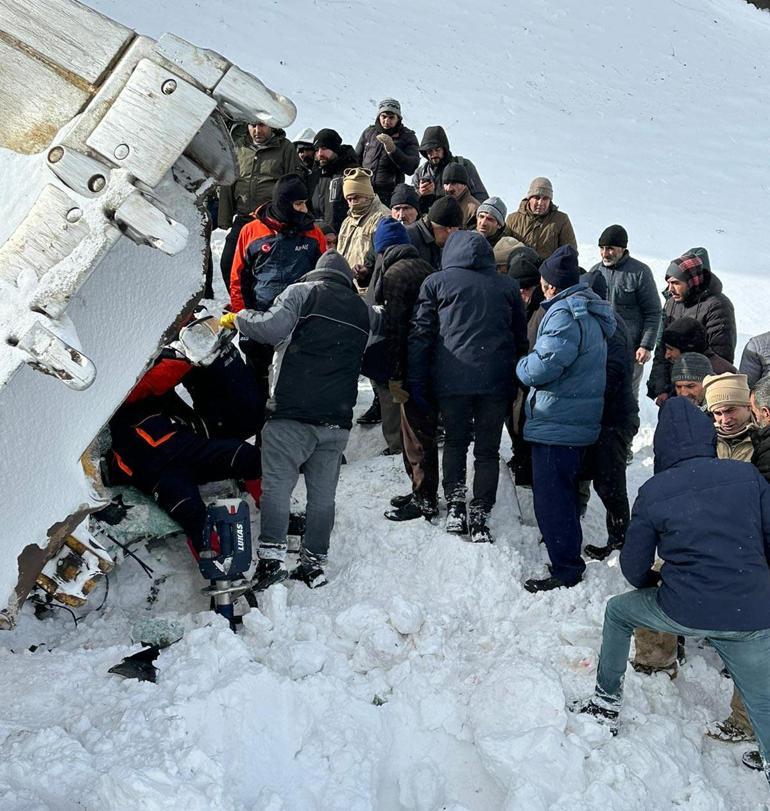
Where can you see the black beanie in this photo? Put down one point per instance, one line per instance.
(446, 211)
(523, 264)
(289, 189)
(614, 236)
(405, 195)
(455, 173)
(686, 335)
(327, 139)
(560, 269)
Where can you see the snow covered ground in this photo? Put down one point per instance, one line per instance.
(423, 676)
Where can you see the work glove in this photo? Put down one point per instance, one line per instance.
(387, 142)
(227, 320)
(397, 390)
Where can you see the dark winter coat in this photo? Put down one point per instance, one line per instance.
(761, 457)
(421, 236)
(621, 407)
(436, 137)
(714, 310)
(319, 327)
(328, 202)
(709, 520)
(542, 232)
(388, 170)
(468, 322)
(566, 371)
(755, 360)
(259, 167)
(632, 292)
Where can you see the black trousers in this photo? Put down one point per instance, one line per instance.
(606, 464)
(483, 415)
(231, 243)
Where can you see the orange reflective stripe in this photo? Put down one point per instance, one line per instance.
(122, 465)
(153, 443)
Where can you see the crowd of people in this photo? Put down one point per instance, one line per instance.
(467, 319)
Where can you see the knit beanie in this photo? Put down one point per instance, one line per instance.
(523, 264)
(540, 187)
(389, 106)
(690, 267)
(357, 181)
(328, 139)
(726, 390)
(446, 211)
(455, 173)
(494, 206)
(405, 195)
(614, 236)
(288, 190)
(691, 366)
(561, 268)
(686, 335)
(389, 232)
(504, 248)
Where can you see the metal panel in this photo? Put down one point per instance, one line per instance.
(244, 98)
(204, 66)
(151, 122)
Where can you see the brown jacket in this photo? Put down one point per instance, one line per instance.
(739, 447)
(357, 233)
(468, 203)
(544, 233)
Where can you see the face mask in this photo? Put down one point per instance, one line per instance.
(360, 208)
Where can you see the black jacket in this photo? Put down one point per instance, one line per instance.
(621, 408)
(388, 170)
(761, 457)
(715, 311)
(421, 236)
(328, 203)
(319, 327)
(436, 137)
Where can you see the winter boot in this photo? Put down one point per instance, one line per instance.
(372, 415)
(399, 501)
(650, 670)
(456, 518)
(602, 552)
(533, 585)
(268, 572)
(310, 573)
(477, 525)
(597, 710)
(411, 510)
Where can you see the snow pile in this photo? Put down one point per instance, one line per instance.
(423, 676)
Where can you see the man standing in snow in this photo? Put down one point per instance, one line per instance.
(632, 294)
(728, 400)
(319, 327)
(539, 223)
(430, 233)
(490, 219)
(566, 375)
(404, 204)
(755, 360)
(690, 514)
(687, 374)
(456, 185)
(365, 210)
(333, 158)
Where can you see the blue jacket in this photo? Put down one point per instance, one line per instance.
(566, 370)
(468, 323)
(709, 520)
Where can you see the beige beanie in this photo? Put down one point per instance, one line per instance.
(726, 390)
(540, 187)
(504, 248)
(357, 181)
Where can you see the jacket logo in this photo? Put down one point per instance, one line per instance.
(304, 247)
(266, 247)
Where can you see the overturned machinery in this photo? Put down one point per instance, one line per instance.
(109, 141)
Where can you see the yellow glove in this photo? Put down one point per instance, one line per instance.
(227, 321)
(397, 390)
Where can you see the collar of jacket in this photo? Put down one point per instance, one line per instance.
(524, 209)
(562, 294)
(619, 264)
(732, 439)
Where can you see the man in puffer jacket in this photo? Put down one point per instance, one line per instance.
(388, 149)
(428, 179)
(755, 360)
(468, 323)
(693, 291)
(566, 374)
(708, 519)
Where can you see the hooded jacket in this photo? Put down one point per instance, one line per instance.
(714, 310)
(543, 232)
(388, 170)
(467, 324)
(634, 297)
(328, 202)
(755, 360)
(709, 520)
(566, 371)
(436, 137)
(421, 236)
(319, 327)
(259, 167)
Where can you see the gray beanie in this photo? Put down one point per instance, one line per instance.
(690, 366)
(496, 207)
(334, 261)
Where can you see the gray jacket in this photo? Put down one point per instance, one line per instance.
(633, 295)
(755, 360)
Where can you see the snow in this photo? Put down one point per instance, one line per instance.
(423, 676)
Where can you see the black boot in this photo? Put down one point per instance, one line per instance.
(456, 518)
(546, 584)
(602, 552)
(372, 415)
(311, 574)
(603, 715)
(268, 572)
(478, 526)
(411, 510)
(399, 501)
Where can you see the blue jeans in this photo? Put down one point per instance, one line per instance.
(745, 653)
